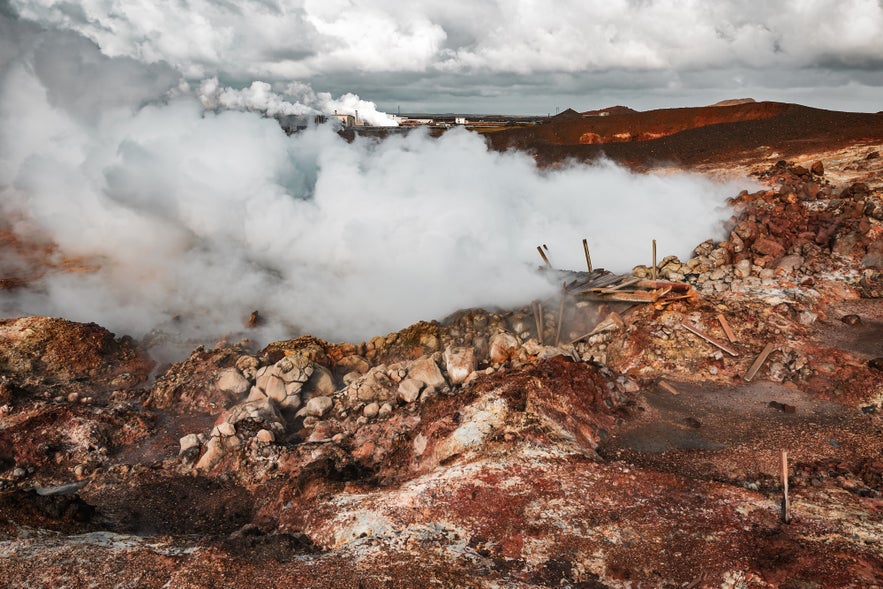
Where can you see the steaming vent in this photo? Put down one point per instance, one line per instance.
(153, 206)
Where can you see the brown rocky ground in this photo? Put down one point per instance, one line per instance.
(465, 453)
(689, 137)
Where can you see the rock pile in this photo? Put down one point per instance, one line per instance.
(795, 232)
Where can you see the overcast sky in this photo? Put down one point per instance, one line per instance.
(513, 56)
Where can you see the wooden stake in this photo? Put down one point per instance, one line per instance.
(667, 387)
(588, 257)
(543, 255)
(653, 273)
(710, 340)
(538, 315)
(560, 320)
(752, 372)
(786, 503)
(726, 327)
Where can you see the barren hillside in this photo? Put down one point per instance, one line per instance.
(694, 136)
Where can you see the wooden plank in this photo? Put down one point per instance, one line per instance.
(638, 296)
(675, 286)
(600, 282)
(543, 255)
(710, 340)
(767, 350)
(606, 280)
(668, 388)
(676, 298)
(726, 327)
(625, 283)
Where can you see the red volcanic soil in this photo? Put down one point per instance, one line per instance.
(693, 136)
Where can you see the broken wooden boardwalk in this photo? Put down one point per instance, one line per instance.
(600, 285)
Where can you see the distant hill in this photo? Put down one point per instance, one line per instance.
(688, 136)
(566, 115)
(613, 110)
(734, 102)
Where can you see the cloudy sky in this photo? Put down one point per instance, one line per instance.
(514, 56)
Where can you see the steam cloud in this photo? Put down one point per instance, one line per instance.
(298, 99)
(208, 214)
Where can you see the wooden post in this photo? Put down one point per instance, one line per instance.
(560, 318)
(653, 272)
(588, 257)
(786, 503)
(538, 317)
(543, 255)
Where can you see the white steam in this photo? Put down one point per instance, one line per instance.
(299, 99)
(208, 215)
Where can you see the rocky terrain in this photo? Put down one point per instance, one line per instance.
(599, 444)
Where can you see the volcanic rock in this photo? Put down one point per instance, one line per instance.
(371, 410)
(353, 363)
(409, 390)
(789, 264)
(189, 442)
(273, 386)
(851, 319)
(742, 269)
(231, 381)
(459, 363)
(321, 382)
(318, 406)
(426, 370)
(767, 247)
(503, 347)
(260, 411)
